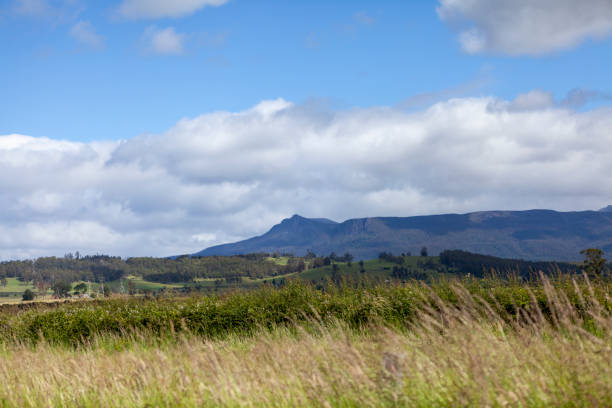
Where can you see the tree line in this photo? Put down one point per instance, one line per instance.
(478, 265)
(104, 268)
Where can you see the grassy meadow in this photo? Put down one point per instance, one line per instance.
(14, 286)
(13, 291)
(474, 342)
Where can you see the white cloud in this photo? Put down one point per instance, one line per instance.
(532, 100)
(165, 41)
(85, 33)
(164, 8)
(532, 27)
(229, 175)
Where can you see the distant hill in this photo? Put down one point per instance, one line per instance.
(532, 235)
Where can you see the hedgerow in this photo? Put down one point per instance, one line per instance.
(245, 312)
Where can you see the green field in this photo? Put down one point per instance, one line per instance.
(141, 284)
(14, 288)
(281, 260)
(13, 285)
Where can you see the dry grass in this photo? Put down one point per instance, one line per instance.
(452, 356)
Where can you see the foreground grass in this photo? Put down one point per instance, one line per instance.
(454, 349)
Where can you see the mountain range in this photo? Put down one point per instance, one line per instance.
(531, 235)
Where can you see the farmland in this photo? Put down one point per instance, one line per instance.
(103, 275)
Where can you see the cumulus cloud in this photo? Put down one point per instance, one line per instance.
(164, 8)
(164, 41)
(526, 27)
(223, 176)
(85, 33)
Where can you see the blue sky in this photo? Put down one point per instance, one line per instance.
(357, 53)
(155, 127)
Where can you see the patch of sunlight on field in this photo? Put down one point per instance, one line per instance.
(13, 285)
(281, 260)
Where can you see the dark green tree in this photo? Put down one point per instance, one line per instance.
(594, 263)
(61, 289)
(27, 295)
(424, 251)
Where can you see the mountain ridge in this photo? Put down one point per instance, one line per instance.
(538, 234)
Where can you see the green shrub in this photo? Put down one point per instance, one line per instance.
(28, 295)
